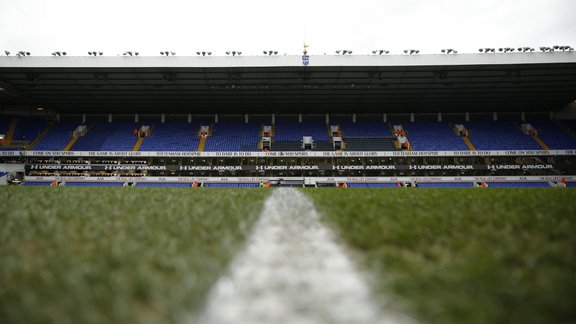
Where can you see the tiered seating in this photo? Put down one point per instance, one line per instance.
(433, 136)
(445, 185)
(501, 135)
(28, 129)
(57, 138)
(294, 131)
(288, 136)
(35, 184)
(94, 184)
(518, 184)
(365, 129)
(370, 144)
(172, 136)
(554, 136)
(104, 136)
(371, 185)
(163, 184)
(229, 136)
(231, 185)
(287, 146)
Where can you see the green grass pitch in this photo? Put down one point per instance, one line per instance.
(92, 255)
(97, 255)
(497, 255)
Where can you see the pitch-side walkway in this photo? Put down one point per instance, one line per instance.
(292, 271)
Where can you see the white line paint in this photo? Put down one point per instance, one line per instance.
(292, 271)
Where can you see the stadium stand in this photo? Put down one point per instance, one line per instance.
(35, 184)
(57, 138)
(104, 136)
(371, 185)
(370, 144)
(229, 137)
(172, 136)
(554, 136)
(288, 136)
(294, 131)
(163, 184)
(433, 136)
(366, 128)
(499, 135)
(231, 185)
(29, 128)
(518, 184)
(94, 184)
(445, 185)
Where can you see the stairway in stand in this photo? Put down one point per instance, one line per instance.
(138, 143)
(202, 144)
(10, 132)
(469, 143)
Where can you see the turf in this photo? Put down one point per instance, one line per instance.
(464, 256)
(96, 255)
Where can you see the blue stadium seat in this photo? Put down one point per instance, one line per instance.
(294, 131)
(445, 185)
(364, 129)
(230, 137)
(104, 136)
(36, 184)
(501, 135)
(57, 138)
(554, 136)
(163, 184)
(518, 184)
(433, 136)
(173, 136)
(94, 184)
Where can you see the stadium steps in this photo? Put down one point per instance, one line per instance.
(540, 142)
(71, 143)
(202, 144)
(138, 143)
(466, 139)
(10, 132)
(40, 136)
(469, 143)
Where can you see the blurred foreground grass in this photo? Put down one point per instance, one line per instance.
(464, 256)
(94, 255)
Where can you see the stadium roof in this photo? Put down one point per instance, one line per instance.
(282, 84)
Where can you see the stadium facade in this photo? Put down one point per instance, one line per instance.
(370, 120)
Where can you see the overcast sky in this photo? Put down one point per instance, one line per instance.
(186, 26)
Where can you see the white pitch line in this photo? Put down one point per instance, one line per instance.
(292, 271)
